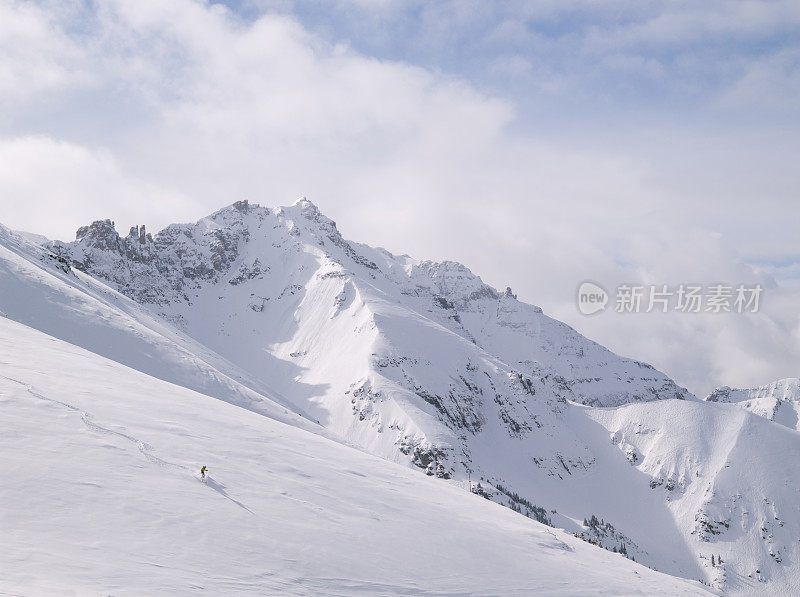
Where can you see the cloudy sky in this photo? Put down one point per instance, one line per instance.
(542, 143)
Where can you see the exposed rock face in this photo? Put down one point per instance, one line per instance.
(163, 270)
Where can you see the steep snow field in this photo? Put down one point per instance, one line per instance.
(101, 495)
(729, 479)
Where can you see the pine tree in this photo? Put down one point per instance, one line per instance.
(712, 560)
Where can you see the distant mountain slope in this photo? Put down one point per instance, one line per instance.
(101, 495)
(778, 401)
(729, 479)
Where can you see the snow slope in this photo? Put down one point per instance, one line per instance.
(778, 401)
(100, 495)
(729, 479)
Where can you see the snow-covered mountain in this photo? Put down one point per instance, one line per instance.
(423, 364)
(415, 361)
(778, 401)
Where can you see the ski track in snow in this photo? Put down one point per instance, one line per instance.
(144, 448)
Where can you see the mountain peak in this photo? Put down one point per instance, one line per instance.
(101, 234)
(236, 210)
(307, 209)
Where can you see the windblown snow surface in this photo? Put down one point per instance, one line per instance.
(354, 367)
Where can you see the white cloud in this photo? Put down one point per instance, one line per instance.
(771, 82)
(37, 58)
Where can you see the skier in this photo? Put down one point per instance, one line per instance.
(203, 472)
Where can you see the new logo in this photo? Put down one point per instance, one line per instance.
(592, 298)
